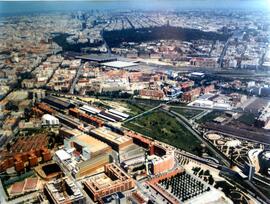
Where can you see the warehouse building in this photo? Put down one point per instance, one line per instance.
(83, 154)
(115, 140)
(58, 103)
(85, 117)
(97, 58)
(90, 109)
(87, 146)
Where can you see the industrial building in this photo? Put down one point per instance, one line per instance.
(69, 121)
(108, 117)
(87, 146)
(118, 113)
(97, 58)
(85, 117)
(83, 154)
(63, 191)
(115, 140)
(58, 103)
(90, 109)
(113, 180)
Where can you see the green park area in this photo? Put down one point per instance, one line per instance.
(163, 127)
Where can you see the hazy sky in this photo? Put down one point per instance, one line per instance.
(11, 7)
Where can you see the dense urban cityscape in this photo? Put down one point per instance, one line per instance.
(135, 106)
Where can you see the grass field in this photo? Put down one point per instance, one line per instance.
(165, 128)
(137, 108)
(210, 116)
(247, 118)
(188, 113)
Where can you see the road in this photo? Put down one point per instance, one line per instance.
(105, 43)
(183, 121)
(206, 109)
(78, 74)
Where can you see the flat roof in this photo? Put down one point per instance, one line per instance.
(93, 144)
(97, 58)
(62, 155)
(110, 135)
(119, 64)
(198, 73)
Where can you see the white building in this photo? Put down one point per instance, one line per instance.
(48, 119)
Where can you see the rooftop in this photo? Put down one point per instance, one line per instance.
(110, 135)
(119, 64)
(91, 143)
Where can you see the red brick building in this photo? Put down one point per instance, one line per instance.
(191, 95)
(26, 151)
(152, 94)
(99, 186)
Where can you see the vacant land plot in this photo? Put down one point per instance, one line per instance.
(247, 119)
(188, 113)
(137, 108)
(210, 116)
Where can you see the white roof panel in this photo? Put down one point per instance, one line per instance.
(119, 64)
(62, 155)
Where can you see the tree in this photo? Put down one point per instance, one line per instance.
(211, 180)
(207, 173)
